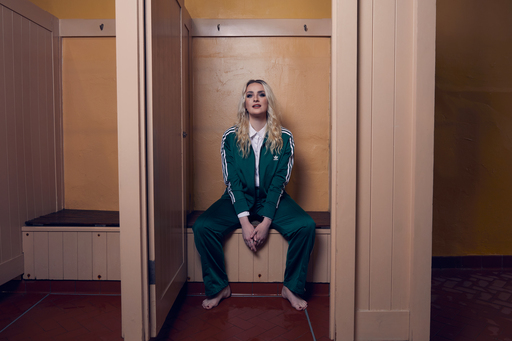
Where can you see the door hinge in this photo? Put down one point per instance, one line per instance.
(151, 270)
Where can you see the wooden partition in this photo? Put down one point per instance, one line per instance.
(30, 120)
(383, 96)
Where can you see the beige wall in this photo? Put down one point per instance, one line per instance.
(298, 70)
(90, 123)
(269, 9)
(473, 145)
(78, 9)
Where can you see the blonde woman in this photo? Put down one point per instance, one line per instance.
(257, 160)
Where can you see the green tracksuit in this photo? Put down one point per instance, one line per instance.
(270, 200)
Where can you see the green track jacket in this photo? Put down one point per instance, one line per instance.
(239, 173)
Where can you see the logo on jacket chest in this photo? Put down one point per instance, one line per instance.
(276, 157)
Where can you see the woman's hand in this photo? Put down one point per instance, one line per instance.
(247, 232)
(260, 233)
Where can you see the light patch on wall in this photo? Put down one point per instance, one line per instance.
(78, 9)
(298, 70)
(264, 9)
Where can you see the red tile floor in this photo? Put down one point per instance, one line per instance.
(466, 305)
(471, 305)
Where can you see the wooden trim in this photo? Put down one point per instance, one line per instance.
(32, 12)
(382, 325)
(69, 229)
(261, 27)
(424, 14)
(87, 27)
(186, 19)
(132, 191)
(11, 268)
(343, 167)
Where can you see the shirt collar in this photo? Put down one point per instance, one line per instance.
(253, 132)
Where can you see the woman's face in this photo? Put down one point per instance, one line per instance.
(256, 101)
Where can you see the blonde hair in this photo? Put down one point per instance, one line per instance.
(273, 131)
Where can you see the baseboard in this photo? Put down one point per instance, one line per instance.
(62, 287)
(260, 289)
(472, 262)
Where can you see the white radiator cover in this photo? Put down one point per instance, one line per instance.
(71, 253)
(93, 253)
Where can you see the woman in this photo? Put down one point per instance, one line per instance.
(257, 159)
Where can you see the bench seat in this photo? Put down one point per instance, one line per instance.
(322, 219)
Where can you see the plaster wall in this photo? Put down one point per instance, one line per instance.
(473, 129)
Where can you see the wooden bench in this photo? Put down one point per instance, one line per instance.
(72, 245)
(268, 264)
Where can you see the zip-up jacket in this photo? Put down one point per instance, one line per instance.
(239, 173)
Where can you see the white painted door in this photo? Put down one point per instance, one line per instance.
(167, 264)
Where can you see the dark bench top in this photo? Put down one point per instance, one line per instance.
(322, 219)
(111, 218)
(77, 218)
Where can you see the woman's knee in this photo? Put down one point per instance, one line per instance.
(200, 227)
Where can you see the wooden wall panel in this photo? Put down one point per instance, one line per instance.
(4, 165)
(85, 254)
(268, 264)
(19, 104)
(99, 255)
(113, 257)
(70, 254)
(10, 176)
(364, 156)
(55, 256)
(41, 253)
(28, 250)
(402, 175)
(385, 169)
(27, 126)
(382, 154)
(27, 119)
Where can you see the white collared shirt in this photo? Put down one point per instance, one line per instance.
(257, 138)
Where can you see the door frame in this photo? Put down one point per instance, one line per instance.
(131, 108)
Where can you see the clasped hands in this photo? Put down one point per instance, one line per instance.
(254, 236)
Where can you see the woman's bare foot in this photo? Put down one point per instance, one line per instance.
(296, 302)
(214, 301)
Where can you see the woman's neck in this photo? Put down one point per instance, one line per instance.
(257, 123)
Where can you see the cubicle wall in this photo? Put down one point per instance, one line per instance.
(30, 121)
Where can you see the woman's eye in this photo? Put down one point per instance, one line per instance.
(262, 94)
(249, 96)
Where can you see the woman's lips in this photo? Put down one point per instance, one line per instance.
(256, 106)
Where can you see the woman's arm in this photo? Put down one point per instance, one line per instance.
(233, 184)
(281, 176)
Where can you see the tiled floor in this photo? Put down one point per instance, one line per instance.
(471, 305)
(466, 305)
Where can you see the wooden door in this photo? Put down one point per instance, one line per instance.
(167, 264)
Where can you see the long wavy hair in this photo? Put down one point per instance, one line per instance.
(274, 141)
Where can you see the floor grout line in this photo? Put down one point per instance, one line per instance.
(310, 326)
(1, 331)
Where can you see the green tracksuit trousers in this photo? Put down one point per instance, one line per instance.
(296, 226)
